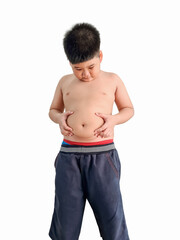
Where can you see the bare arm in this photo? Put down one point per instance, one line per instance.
(56, 111)
(54, 115)
(57, 105)
(123, 103)
(125, 107)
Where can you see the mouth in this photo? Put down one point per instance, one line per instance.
(86, 79)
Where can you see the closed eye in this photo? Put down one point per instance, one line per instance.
(91, 67)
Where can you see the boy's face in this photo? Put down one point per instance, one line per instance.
(89, 70)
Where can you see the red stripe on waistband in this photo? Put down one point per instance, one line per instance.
(89, 143)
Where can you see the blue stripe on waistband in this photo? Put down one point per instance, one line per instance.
(63, 142)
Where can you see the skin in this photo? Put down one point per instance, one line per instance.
(88, 96)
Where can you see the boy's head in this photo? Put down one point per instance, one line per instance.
(81, 43)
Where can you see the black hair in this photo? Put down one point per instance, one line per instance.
(81, 43)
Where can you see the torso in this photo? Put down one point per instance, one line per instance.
(84, 99)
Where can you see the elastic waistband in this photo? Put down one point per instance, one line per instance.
(87, 149)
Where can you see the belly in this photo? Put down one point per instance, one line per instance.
(84, 123)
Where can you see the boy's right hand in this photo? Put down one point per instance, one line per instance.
(65, 129)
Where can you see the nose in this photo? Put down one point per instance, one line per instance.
(85, 73)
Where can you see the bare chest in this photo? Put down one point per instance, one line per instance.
(101, 91)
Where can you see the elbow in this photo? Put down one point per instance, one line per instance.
(49, 113)
(132, 112)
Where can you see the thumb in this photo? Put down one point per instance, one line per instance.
(100, 114)
(69, 112)
(97, 113)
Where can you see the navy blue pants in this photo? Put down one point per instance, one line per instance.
(92, 173)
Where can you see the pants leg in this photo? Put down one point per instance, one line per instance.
(102, 176)
(69, 199)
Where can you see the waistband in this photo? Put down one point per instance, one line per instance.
(87, 149)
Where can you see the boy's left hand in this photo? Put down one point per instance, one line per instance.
(107, 129)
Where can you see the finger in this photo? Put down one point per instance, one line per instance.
(70, 134)
(65, 133)
(69, 112)
(101, 115)
(101, 134)
(101, 129)
(106, 135)
(98, 132)
(65, 127)
(97, 135)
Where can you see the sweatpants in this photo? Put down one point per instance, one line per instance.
(88, 171)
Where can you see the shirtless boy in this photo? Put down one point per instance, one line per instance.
(88, 165)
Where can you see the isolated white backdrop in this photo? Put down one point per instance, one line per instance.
(140, 42)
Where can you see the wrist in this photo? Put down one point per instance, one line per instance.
(59, 117)
(55, 116)
(114, 121)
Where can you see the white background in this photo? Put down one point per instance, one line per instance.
(140, 42)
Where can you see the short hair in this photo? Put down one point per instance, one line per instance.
(81, 43)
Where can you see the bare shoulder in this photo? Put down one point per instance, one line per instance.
(114, 79)
(111, 75)
(64, 81)
(122, 98)
(57, 102)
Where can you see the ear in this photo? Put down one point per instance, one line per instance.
(100, 56)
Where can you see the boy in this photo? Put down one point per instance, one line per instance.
(88, 165)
